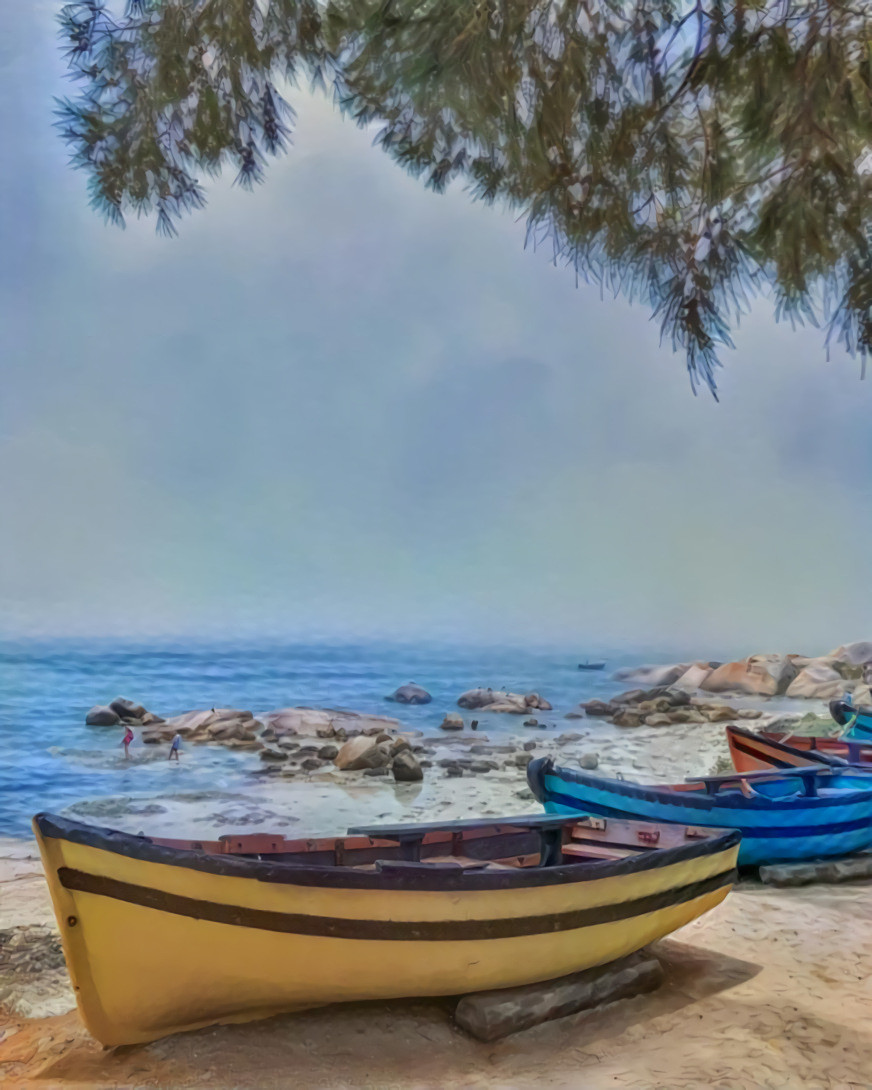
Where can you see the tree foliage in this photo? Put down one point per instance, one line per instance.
(692, 155)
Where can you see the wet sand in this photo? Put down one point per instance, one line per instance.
(772, 989)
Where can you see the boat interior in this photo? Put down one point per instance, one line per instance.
(839, 750)
(806, 781)
(540, 840)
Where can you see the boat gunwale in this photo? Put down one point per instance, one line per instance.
(698, 799)
(53, 826)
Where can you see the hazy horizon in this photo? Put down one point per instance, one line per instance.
(344, 406)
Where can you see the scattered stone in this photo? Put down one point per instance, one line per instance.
(658, 719)
(847, 869)
(628, 717)
(599, 708)
(569, 736)
(718, 713)
(749, 713)
(473, 725)
(410, 694)
(452, 721)
(529, 745)
(523, 759)
(102, 716)
(531, 722)
(328, 752)
(588, 761)
(272, 755)
(453, 770)
(406, 768)
(491, 1015)
(381, 770)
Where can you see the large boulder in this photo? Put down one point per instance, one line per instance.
(325, 722)
(410, 694)
(692, 678)
(817, 681)
(364, 751)
(209, 725)
(102, 716)
(858, 653)
(757, 675)
(127, 709)
(652, 676)
(498, 700)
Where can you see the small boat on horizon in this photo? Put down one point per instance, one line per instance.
(164, 935)
(587, 665)
(754, 751)
(793, 814)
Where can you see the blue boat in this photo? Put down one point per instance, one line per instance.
(855, 721)
(798, 814)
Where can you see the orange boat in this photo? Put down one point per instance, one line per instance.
(754, 752)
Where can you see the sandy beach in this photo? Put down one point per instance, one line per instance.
(769, 990)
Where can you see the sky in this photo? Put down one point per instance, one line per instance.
(342, 405)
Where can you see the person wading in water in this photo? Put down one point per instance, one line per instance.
(125, 741)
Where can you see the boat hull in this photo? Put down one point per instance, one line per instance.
(773, 830)
(155, 946)
(755, 752)
(856, 721)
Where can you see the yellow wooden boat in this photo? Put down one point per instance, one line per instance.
(169, 935)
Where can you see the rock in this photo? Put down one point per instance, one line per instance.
(531, 722)
(749, 713)
(686, 715)
(718, 713)
(127, 709)
(406, 768)
(652, 675)
(102, 716)
(377, 770)
(529, 745)
(497, 700)
(362, 752)
(410, 694)
(328, 752)
(574, 715)
(569, 736)
(150, 718)
(693, 677)
(862, 696)
(858, 653)
(786, 722)
(523, 759)
(847, 869)
(589, 761)
(628, 717)
(311, 763)
(326, 722)
(454, 770)
(452, 721)
(631, 697)
(817, 681)
(758, 675)
(272, 755)
(658, 719)
(598, 708)
(491, 1015)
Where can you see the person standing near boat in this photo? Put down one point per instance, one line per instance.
(174, 748)
(125, 741)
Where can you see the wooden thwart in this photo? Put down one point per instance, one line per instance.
(491, 1015)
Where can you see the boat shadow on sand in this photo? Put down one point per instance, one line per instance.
(396, 1043)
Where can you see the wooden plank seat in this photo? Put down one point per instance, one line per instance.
(598, 851)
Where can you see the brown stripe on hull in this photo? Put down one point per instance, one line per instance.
(376, 930)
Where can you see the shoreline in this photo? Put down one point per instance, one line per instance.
(767, 990)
